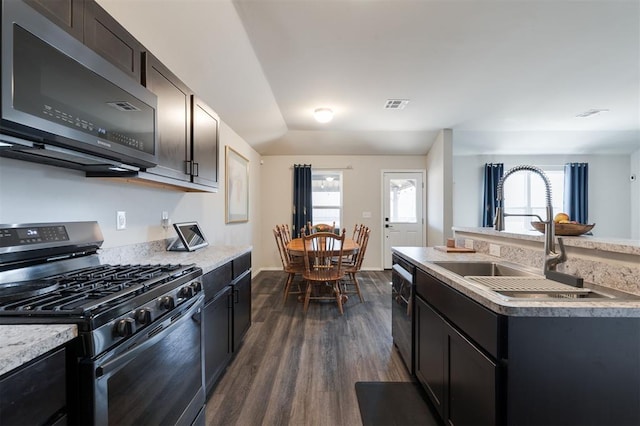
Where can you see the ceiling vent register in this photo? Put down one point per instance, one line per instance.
(396, 103)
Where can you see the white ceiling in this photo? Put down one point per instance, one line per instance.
(507, 76)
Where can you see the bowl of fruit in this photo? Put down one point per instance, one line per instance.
(565, 226)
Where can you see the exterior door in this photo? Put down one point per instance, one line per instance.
(403, 211)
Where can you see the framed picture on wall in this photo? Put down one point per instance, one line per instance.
(237, 187)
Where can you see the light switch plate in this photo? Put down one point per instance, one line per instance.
(366, 215)
(121, 220)
(494, 250)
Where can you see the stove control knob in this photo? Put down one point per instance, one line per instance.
(197, 287)
(187, 292)
(143, 316)
(124, 327)
(167, 302)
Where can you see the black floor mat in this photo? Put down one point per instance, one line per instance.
(393, 404)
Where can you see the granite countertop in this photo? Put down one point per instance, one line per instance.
(424, 257)
(614, 245)
(20, 344)
(208, 258)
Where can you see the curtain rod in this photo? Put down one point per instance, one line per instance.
(347, 167)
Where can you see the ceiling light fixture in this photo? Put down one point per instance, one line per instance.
(323, 115)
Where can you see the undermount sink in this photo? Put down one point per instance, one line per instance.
(514, 283)
(482, 269)
(555, 295)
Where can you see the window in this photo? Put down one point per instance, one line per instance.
(326, 187)
(524, 193)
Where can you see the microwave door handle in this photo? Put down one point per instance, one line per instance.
(122, 360)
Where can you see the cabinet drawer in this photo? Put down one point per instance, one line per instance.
(216, 280)
(241, 264)
(477, 322)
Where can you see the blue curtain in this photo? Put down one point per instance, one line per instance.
(492, 175)
(301, 197)
(576, 191)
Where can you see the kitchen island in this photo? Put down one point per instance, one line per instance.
(484, 359)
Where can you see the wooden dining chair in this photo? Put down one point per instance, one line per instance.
(320, 227)
(286, 233)
(351, 270)
(291, 267)
(322, 275)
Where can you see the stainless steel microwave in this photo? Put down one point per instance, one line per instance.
(63, 104)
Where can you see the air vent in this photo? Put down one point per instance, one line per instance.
(396, 103)
(591, 112)
(123, 106)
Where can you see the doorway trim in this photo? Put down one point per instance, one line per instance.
(423, 172)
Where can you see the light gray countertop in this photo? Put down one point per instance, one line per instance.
(423, 257)
(20, 344)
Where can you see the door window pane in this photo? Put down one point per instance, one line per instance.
(402, 199)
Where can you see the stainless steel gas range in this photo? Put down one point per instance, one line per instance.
(138, 355)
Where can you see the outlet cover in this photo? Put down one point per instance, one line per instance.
(121, 220)
(494, 250)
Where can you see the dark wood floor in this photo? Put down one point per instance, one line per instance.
(297, 369)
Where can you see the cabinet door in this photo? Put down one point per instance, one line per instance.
(241, 308)
(108, 38)
(430, 345)
(35, 393)
(204, 147)
(67, 14)
(173, 118)
(217, 337)
(472, 384)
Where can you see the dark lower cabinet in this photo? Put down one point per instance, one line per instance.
(217, 336)
(35, 394)
(241, 308)
(226, 315)
(459, 379)
(481, 368)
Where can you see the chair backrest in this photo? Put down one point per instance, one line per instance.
(321, 248)
(356, 231)
(286, 233)
(321, 227)
(363, 242)
(285, 257)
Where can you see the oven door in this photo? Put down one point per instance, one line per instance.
(153, 378)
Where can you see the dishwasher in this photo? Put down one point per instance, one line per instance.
(402, 300)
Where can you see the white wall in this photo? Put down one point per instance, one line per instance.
(440, 189)
(609, 188)
(32, 192)
(635, 195)
(362, 192)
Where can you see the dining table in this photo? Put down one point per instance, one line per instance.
(295, 247)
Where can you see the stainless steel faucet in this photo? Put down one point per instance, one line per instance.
(551, 258)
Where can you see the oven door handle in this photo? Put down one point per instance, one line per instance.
(192, 313)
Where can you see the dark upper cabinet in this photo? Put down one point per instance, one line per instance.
(109, 39)
(67, 14)
(204, 148)
(174, 119)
